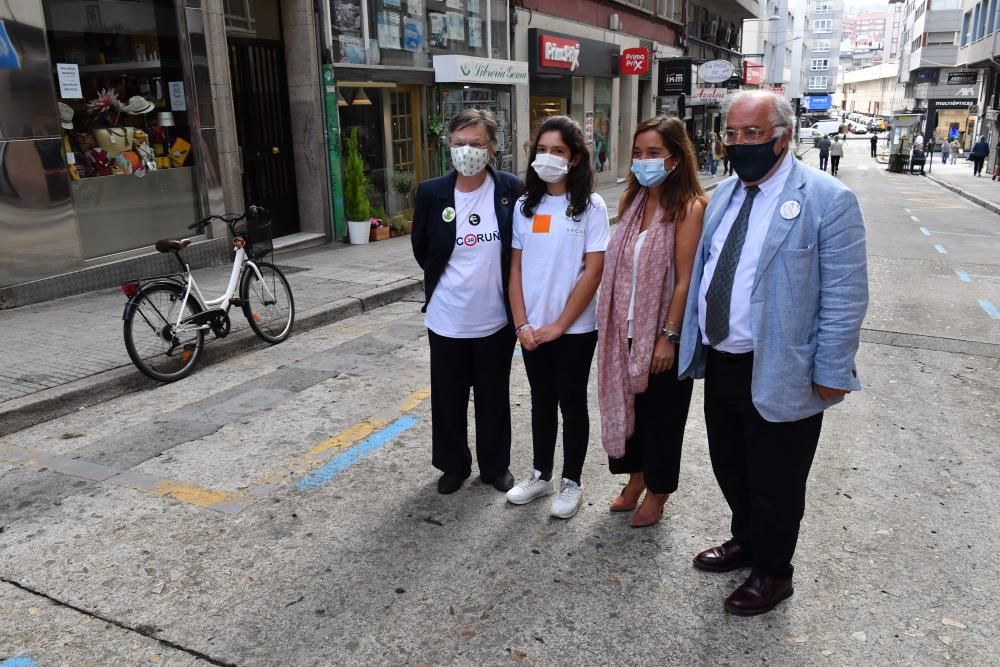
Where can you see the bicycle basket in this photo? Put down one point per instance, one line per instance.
(256, 229)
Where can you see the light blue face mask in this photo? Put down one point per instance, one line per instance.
(650, 173)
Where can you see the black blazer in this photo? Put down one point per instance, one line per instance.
(434, 239)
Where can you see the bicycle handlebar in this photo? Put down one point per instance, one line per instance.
(229, 218)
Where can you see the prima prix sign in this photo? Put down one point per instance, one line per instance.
(634, 61)
(715, 71)
(466, 69)
(559, 52)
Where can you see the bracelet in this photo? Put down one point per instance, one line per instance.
(517, 331)
(675, 326)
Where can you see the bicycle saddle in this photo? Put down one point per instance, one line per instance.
(170, 245)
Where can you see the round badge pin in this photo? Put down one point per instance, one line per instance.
(504, 201)
(474, 219)
(448, 215)
(790, 209)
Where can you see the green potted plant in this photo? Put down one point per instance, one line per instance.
(398, 225)
(357, 208)
(403, 182)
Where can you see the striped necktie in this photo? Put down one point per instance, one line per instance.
(720, 291)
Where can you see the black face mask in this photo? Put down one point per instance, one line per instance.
(752, 161)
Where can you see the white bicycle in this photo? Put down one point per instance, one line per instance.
(166, 317)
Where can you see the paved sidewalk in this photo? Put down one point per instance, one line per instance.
(958, 178)
(54, 352)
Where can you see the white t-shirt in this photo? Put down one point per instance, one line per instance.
(552, 248)
(468, 301)
(635, 278)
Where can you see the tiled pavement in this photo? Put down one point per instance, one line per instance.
(50, 344)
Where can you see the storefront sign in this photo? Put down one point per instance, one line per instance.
(963, 78)
(634, 61)
(709, 95)
(69, 81)
(952, 104)
(588, 127)
(776, 90)
(818, 102)
(715, 71)
(553, 53)
(674, 77)
(559, 52)
(8, 55)
(466, 69)
(753, 74)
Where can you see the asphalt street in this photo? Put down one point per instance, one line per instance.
(280, 508)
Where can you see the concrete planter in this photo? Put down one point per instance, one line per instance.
(359, 231)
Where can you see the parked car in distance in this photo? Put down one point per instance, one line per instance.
(858, 128)
(823, 128)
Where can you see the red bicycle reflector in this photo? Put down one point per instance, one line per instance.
(130, 289)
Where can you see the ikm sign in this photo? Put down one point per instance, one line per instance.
(634, 61)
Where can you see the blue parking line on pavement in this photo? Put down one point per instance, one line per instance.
(19, 661)
(940, 248)
(990, 309)
(324, 474)
(963, 276)
(924, 231)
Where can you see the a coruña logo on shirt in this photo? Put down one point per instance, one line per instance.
(471, 240)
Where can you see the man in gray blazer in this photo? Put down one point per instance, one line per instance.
(773, 320)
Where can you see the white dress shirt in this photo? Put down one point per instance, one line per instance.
(740, 338)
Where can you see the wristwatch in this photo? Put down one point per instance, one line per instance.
(671, 336)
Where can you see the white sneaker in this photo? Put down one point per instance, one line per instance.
(531, 488)
(568, 501)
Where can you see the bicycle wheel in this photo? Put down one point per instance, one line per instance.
(154, 343)
(267, 302)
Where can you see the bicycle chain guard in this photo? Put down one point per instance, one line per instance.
(221, 325)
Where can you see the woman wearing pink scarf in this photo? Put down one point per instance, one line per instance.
(647, 272)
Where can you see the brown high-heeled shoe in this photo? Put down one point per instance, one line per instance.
(645, 519)
(626, 502)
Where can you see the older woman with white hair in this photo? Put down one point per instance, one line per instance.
(462, 230)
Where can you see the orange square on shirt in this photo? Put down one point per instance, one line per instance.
(540, 223)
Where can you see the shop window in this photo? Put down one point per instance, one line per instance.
(123, 104)
(240, 15)
(603, 135)
(497, 101)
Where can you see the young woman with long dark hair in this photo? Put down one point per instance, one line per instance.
(647, 273)
(560, 234)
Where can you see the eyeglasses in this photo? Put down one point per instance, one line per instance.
(751, 135)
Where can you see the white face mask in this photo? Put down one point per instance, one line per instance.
(469, 160)
(550, 168)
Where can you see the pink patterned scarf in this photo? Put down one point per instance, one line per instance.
(622, 373)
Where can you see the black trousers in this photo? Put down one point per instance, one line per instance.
(977, 163)
(558, 373)
(761, 466)
(660, 417)
(482, 364)
(874, 149)
(834, 164)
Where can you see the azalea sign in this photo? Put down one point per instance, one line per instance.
(709, 95)
(634, 61)
(559, 52)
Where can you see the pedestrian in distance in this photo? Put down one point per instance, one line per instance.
(647, 270)
(956, 151)
(715, 153)
(873, 140)
(560, 234)
(462, 228)
(726, 168)
(824, 145)
(945, 151)
(980, 150)
(701, 149)
(836, 152)
(773, 322)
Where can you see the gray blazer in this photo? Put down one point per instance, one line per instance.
(808, 299)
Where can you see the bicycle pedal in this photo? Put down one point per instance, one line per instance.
(236, 301)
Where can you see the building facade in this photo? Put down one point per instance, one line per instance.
(979, 52)
(823, 33)
(875, 91)
(125, 120)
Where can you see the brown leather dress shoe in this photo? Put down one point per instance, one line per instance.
(758, 594)
(726, 557)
